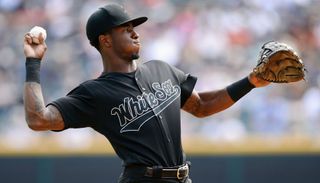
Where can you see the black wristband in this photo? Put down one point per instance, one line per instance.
(33, 70)
(240, 89)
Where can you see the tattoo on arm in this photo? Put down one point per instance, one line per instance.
(54, 118)
(37, 97)
(38, 116)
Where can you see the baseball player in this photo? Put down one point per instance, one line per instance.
(136, 107)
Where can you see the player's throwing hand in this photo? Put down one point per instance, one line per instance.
(33, 50)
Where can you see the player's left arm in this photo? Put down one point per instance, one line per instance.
(203, 104)
(207, 103)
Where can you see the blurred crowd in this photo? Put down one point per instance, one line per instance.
(218, 41)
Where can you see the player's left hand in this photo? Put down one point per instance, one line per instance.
(257, 81)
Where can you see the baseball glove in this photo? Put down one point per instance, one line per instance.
(279, 63)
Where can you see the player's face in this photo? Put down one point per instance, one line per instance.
(125, 42)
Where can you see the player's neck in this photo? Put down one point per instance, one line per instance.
(119, 65)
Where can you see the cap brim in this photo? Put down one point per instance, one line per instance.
(136, 21)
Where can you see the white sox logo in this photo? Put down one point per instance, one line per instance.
(135, 112)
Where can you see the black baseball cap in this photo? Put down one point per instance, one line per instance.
(106, 18)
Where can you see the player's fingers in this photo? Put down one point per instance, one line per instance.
(41, 38)
(28, 38)
(35, 40)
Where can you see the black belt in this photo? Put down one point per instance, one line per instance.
(180, 172)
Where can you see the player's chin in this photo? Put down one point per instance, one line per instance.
(135, 53)
(135, 56)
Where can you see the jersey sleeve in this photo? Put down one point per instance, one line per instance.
(77, 108)
(187, 84)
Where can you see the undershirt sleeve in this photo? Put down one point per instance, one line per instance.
(186, 88)
(77, 108)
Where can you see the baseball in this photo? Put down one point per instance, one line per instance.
(35, 33)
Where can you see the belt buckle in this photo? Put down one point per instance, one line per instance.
(183, 168)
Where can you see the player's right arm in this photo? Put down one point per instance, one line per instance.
(38, 116)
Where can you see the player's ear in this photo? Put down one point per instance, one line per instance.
(105, 40)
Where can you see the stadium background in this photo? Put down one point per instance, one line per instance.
(272, 135)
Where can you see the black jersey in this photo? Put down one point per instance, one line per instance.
(138, 112)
